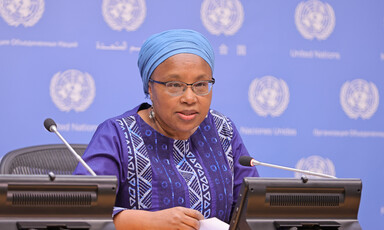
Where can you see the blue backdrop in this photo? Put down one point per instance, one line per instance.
(301, 79)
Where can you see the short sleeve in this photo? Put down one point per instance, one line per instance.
(103, 153)
(238, 150)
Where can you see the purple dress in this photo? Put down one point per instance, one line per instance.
(156, 172)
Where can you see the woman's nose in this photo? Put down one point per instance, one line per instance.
(189, 96)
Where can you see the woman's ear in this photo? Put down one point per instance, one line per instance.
(150, 90)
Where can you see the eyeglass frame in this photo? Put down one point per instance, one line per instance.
(212, 81)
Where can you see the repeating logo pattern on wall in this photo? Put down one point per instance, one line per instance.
(72, 89)
(223, 16)
(124, 14)
(316, 164)
(359, 98)
(268, 96)
(16, 12)
(315, 19)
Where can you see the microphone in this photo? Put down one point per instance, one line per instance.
(51, 126)
(249, 161)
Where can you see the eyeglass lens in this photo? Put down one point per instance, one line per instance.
(200, 87)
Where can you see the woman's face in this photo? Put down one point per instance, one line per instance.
(179, 116)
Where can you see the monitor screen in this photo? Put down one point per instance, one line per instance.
(281, 203)
(55, 202)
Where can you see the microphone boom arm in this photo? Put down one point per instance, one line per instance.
(255, 162)
(54, 129)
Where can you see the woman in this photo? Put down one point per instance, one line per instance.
(176, 160)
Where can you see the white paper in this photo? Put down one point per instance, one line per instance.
(213, 224)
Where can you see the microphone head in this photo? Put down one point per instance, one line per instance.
(245, 160)
(48, 123)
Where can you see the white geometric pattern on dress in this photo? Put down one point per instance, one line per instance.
(143, 171)
(225, 130)
(131, 176)
(195, 178)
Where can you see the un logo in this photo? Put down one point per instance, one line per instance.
(315, 19)
(223, 16)
(124, 14)
(268, 96)
(315, 164)
(72, 89)
(359, 98)
(16, 12)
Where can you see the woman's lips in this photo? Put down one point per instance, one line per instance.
(187, 115)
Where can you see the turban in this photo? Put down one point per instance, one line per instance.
(161, 46)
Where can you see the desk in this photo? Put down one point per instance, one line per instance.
(24, 224)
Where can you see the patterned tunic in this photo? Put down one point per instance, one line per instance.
(156, 172)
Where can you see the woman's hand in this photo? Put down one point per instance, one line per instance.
(172, 218)
(178, 218)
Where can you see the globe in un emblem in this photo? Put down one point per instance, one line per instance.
(124, 14)
(223, 16)
(16, 12)
(359, 98)
(315, 164)
(268, 96)
(72, 90)
(315, 19)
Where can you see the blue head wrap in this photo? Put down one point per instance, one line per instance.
(161, 46)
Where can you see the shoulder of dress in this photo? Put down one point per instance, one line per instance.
(124, 118)
(223, 123)
(219, 115)
(214, 112)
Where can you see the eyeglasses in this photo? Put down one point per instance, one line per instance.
(177, 88)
